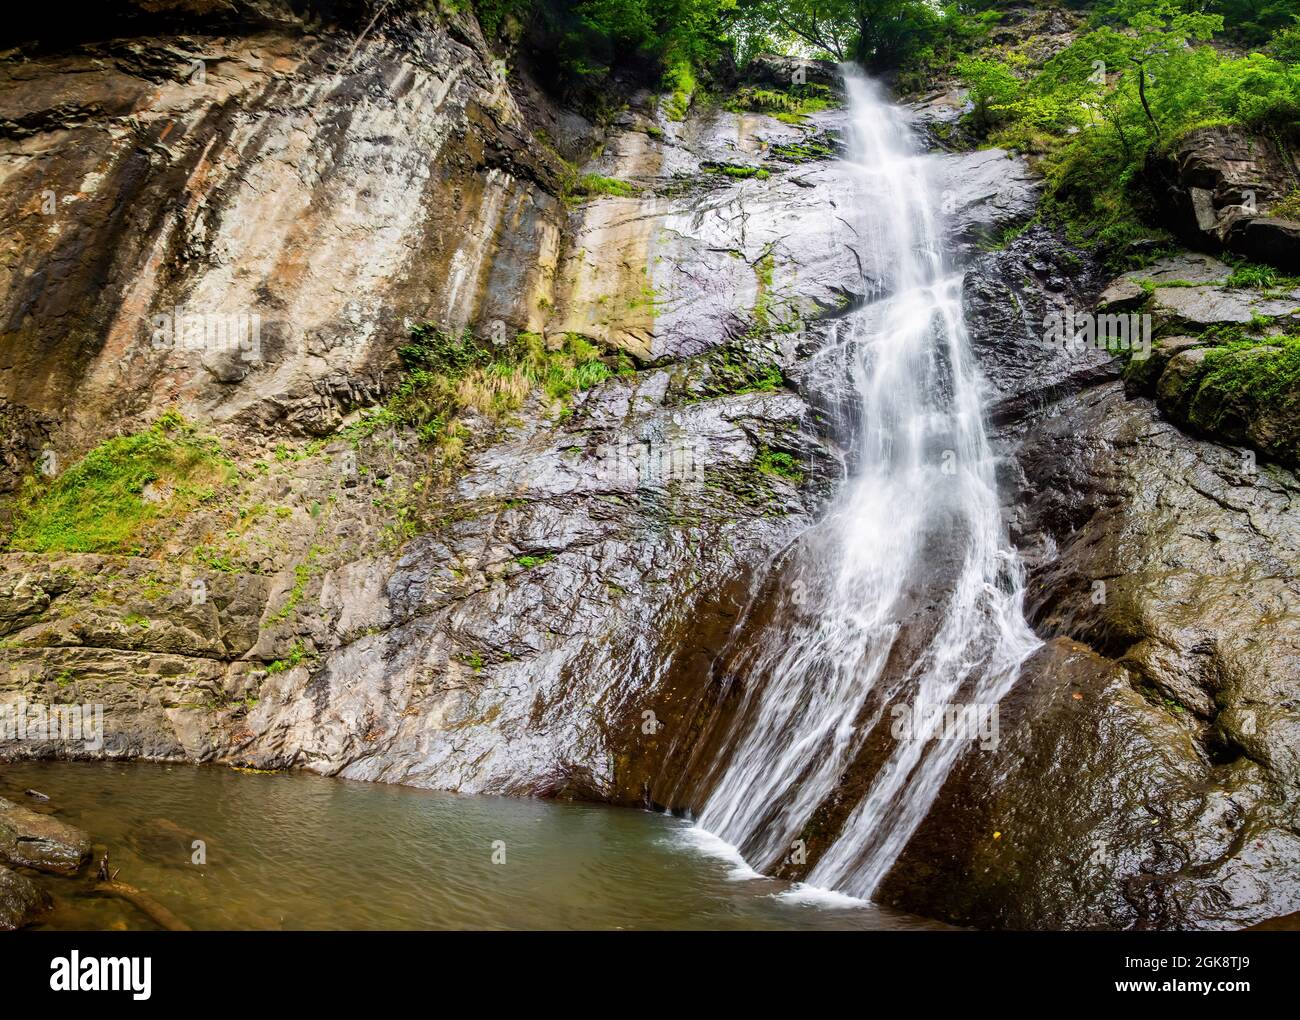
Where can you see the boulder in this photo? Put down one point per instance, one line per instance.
(1141, 376)
(1195, 309)
(22, 901)
(1176, 381)
(32, 840)
(1123, 295)
(775, 70)
(1186, 267)
(1265, 239)
(1261, 414)
(1214, 188)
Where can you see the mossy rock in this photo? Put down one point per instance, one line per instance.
(1142, 374)
(1178, 381)
(1251, 394)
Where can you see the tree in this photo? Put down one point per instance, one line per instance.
(877, 34)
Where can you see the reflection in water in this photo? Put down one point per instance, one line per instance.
(295, 851)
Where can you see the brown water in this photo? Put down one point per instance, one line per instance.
(296, 851)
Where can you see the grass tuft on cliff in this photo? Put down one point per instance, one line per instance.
(103, 502)
(595, 186)
(449, 374)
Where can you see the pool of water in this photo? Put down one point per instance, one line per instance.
(296, 851)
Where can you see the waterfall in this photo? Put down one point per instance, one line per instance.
(907, 597)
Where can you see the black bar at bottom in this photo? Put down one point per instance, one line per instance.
(259, 970)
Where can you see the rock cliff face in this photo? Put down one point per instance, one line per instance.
(1217, 189)
(539, 621)
(331, 180)
(1147, 772)
(342, 182)
(519, 629)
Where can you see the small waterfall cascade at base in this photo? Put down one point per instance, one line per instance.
(905, 603)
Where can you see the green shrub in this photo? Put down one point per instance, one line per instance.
(680, 84)
(1096, 109)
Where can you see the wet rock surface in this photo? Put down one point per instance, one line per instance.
(1146, 773)
(528, 637)
(22, 901)
(1009, 297)
(328, 181)
(1212, 367)
(30, 839)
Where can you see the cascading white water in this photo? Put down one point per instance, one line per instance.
(916, 536)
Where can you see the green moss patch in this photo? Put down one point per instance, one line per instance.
(104, 502)
(778, 465)
(801, 152)
(1249, 391)
(737, 172)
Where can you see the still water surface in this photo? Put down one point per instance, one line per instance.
(296, 851)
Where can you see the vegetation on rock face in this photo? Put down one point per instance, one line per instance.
(102, 502)
(790, 105)
(739, 367)
(1106, 111)
(800, 152)
(779, 465)
(1249, 391)
(594, 185)
(740, 173)
(1138, 76)
(450, 374)
(1257, 277)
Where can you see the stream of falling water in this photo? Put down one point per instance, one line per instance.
(916, 534)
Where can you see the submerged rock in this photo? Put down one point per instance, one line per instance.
(29, 839)
(22, 901)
